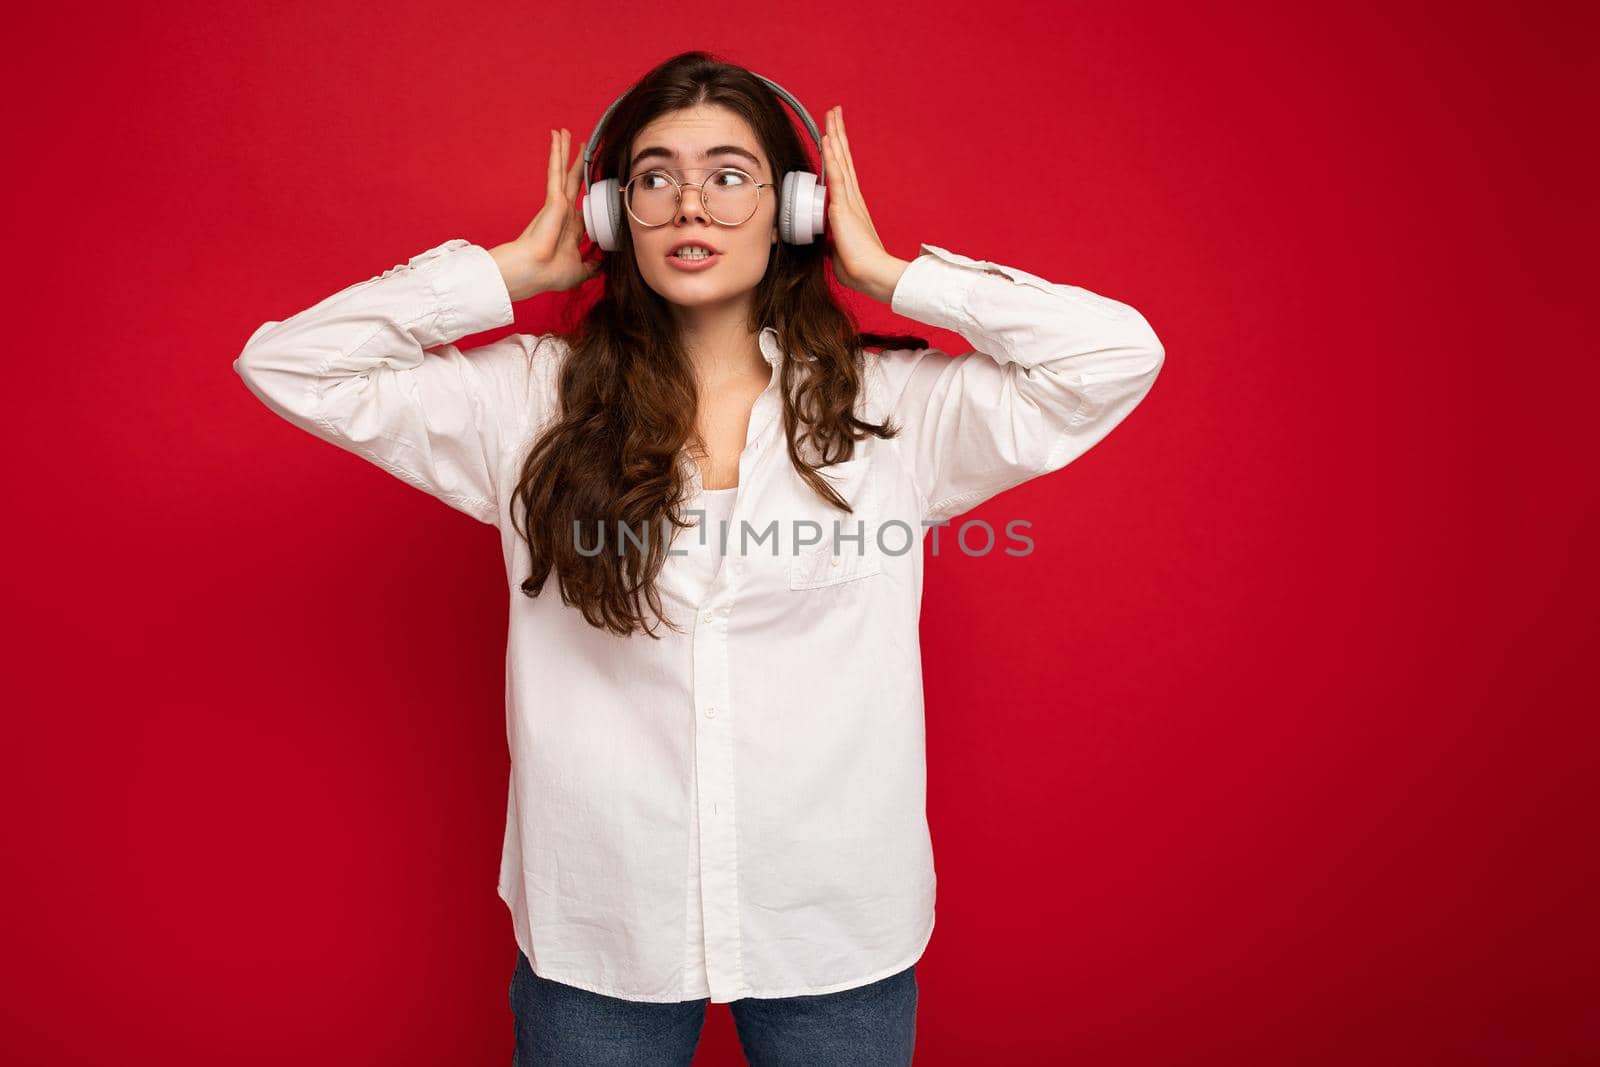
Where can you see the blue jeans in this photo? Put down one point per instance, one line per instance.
(562, 1026)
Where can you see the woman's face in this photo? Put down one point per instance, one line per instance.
(678, 142)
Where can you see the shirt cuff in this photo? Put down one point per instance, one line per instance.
(936, 288)
(469, 293)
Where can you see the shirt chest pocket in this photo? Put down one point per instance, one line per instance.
(819, 566)
(854, 558)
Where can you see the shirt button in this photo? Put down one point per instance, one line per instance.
(834, 562)
(711, 713)
(708, 616)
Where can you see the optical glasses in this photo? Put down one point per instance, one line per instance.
(729, 195)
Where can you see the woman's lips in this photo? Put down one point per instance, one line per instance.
(694, 264)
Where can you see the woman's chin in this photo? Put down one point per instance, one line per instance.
(690, 288)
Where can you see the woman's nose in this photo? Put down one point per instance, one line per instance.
(699, 209)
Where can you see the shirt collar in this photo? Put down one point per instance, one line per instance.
(770, 348)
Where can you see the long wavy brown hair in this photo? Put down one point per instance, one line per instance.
(614, 452)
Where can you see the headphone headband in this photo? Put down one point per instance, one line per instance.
(795, 105)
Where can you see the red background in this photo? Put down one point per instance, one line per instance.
(1272, 752)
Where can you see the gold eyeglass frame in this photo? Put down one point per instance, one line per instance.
(678, 203)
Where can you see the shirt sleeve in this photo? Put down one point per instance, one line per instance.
(374, 370)
(1055, 368)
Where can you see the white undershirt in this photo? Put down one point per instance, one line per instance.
(701, 561)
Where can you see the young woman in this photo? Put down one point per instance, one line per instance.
(717, 785)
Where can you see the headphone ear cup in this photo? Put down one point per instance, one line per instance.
(802, 208)
(602, 213)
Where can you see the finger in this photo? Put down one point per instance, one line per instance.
(841, 160)
(574, 180)
(837, 187)
(836, 190)
(552, 181)
(849, 162)
(831, 147)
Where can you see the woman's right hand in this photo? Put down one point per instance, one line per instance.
(545, 257)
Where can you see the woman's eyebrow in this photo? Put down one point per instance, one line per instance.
(657, 151)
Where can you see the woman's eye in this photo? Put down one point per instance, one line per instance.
(653, 176)
(730, 178)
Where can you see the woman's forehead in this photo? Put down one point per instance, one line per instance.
(695, 136)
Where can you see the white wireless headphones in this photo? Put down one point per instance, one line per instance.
(802, 201)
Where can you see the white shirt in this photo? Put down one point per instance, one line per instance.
(737, 810)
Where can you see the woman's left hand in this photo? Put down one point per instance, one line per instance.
(860, 261)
